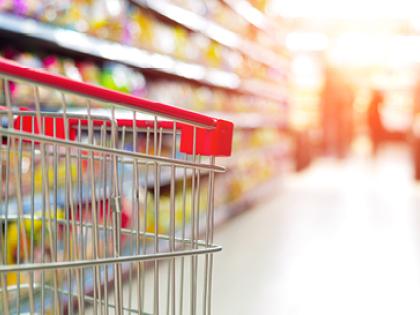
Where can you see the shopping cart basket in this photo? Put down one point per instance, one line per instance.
(106, 199)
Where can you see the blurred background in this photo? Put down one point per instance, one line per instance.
(318, 212)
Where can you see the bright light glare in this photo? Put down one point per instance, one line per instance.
(252, 14)
(345, 9)
(306, 72)
(306, 41)
(359, 49)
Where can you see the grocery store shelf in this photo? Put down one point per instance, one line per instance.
(251, 197)
(247, 11)
(274, 91)
(135, 57)
(278, 150)
(165, 176)
(82, 43)
(212, 30)
(229, 163)
(250, 120)
(222, 214)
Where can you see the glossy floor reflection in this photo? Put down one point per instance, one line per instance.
(340, 238)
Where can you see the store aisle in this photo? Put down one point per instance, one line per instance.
(341, 238)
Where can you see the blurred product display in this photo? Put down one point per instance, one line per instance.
(136, 25)
(149, 49)
(296, 86)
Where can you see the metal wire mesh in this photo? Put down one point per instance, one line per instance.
(97, 215)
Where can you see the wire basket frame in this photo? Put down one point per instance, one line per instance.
(101, 208)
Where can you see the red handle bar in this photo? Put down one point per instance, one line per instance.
(213, 137)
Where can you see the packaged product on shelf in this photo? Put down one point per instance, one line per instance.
(89, 71)
(167, 92)
(128, 23)
(137, 83)
(6, 5)
(79, 209)
(28, 59)
(217, 12)
(108, 19)
(218, 100)
(74, 14)
(111, 75)
(21, 7)
(141, 28)
(29, 232)
(202, 99)
(183, 207)
(213, 54)
(196, 47)
(70, 69)
(181, 37)
(22, 94)
(53, 64)
(164, 38)
(122, 78)
(126, 79)
(232, 60)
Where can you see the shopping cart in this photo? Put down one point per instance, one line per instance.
(106, 199)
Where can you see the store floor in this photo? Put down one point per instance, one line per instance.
(340, 238)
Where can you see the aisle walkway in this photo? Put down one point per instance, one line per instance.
(341, 238)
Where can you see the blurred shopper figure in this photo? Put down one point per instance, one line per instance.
(415, 129)
(377, 131)
(337, 114)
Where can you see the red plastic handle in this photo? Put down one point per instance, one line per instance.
(213, 136)
(216, 141)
